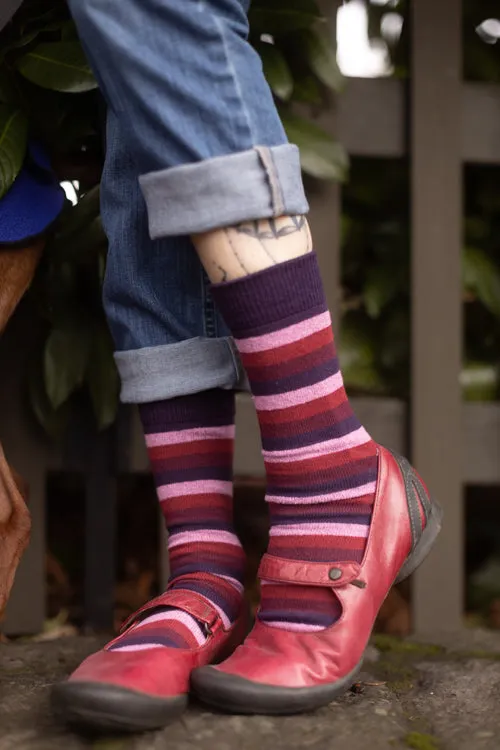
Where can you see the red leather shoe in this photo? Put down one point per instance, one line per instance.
(136, 691)
(283, 672)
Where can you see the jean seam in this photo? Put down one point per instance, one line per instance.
(237, 370)
(232, 70)
(278, 201)
(209, 315)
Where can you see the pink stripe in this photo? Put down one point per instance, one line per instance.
(236, 584)
(156, 439)
(336, 445)
(225, 619)
(286, 335)
(301, 395)
(142, 647)
(175, 615)
(322, 529)
(295, 627)
(364, 489)
(200, 487)
(218, 537)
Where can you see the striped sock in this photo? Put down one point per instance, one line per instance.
(190, 444)
(320, 462)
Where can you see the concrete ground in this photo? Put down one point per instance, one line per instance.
(409, 695)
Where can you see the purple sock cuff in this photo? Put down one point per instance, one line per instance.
(207, 409)
(284, 291)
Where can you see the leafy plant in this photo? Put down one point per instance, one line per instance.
(47, 92)
(375, 332)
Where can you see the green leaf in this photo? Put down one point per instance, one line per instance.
(357, 355)
(66, 358)
(281, 21)
(13, 141)
(76, 220)
(276, 71)
(479, 381)
(320, 155)
(59, 66)
(380, 288)
(53, 421)
(102, 379)
(7, 91)
(481, 276)
(82, 246)
(319, 54)
(307, 90)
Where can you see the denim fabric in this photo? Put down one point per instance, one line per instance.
(181, 77)
(188, 89)
(259, 183)
(170, 339)
(197, 123)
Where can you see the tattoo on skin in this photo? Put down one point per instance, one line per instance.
(263, 231)
(268, 229)
(223, 273)
(227, 232)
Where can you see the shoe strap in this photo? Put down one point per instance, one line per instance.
(333, 575)
(188, 601)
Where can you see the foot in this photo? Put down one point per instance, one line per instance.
(279, 671)
(132, 688)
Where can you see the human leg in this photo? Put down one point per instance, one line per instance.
(164, 323)
(245, 202)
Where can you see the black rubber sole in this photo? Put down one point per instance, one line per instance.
(237, 695)
(110, 708)
(234, 694)
(424, 546)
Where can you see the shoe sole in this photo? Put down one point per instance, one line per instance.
(104, 707)
(237, 695)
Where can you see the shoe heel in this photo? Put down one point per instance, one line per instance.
(425, 545)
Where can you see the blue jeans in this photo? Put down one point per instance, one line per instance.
(194, 143)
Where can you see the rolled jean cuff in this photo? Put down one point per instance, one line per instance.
(160, 372)
(261, 183)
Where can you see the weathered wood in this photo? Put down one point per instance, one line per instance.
(436, 207)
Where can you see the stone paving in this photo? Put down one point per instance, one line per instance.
(410, 695)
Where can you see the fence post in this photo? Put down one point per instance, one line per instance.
(436, 204)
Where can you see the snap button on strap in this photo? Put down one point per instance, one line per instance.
(308, 574)
(335, 574)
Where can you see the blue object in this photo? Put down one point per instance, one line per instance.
(34, 201)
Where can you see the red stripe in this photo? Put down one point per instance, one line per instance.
(282, 354)
(300, 363)
(172, 450)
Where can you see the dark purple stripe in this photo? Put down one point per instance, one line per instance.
(300, 440)
(324, 418)
(277, 295)
(324, 554)
(298, 380)
(163, 640)
(222, 569)
(202, 525)
(213, 408)
(363, 520)
(229, 606)
(302, 616)
(342, 483)
(300, 363)
(224, 473)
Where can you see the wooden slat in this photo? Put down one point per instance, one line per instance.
(369, 117)
(370, 120)
(481, 123)
(436, 293)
